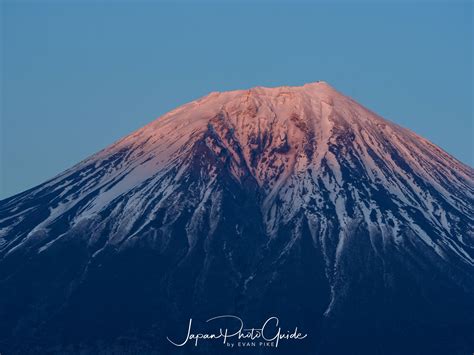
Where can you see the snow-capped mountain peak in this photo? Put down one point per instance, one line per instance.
(257, 183)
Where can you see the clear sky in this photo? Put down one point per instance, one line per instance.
(76, 76)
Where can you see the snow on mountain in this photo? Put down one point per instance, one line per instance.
(271, 169)
(290, 140)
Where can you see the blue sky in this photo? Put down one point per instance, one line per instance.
(76, 76)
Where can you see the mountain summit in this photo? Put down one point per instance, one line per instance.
(294, 202)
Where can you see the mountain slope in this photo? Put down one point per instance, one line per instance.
(292, 200)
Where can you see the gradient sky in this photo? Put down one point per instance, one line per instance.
(76, 76)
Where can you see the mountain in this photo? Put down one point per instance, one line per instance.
(294, 202)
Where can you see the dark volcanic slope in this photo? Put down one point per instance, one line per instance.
(292, 201)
